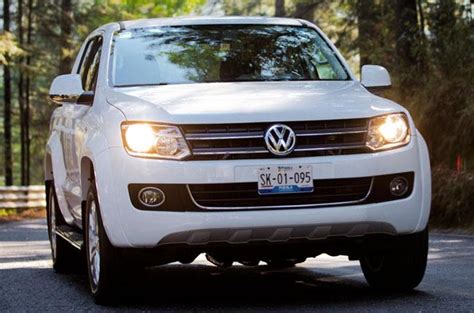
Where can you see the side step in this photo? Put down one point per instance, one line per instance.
(71, 235)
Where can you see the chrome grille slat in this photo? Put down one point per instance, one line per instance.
(249, 151)
(227, 151)
(224, 136)
(338, 147)
(329, 133)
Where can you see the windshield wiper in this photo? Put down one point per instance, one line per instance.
(142, 85)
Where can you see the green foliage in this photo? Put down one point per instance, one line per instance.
(92, 14)
(7, 212)
(453, 199)
(448, 86)
(8, 48)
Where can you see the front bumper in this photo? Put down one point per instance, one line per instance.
(127, 226)
(244, 196)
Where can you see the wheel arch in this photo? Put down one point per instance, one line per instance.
(96, 169)
(87, 174)
(53, 161)
(48, 167)
(425, 171)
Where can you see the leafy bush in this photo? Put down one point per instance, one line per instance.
(453, 198)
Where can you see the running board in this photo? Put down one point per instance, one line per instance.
(71, 235)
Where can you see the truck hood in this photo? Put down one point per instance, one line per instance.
(246, 102)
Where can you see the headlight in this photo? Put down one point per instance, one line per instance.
(388, 131)
(154, 141)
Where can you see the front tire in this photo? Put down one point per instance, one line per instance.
(62, 254)
(401, 270)
(102, 258)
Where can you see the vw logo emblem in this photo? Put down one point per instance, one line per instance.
(280, 139)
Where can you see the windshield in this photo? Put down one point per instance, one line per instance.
(221, 53)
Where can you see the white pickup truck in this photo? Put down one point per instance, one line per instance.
(247, 139)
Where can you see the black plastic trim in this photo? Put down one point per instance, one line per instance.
(179, 200)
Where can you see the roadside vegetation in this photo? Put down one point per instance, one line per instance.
(427, 45)
(11, 215)
(453, 199)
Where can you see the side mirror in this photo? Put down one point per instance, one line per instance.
(66, 88)
(375, 77)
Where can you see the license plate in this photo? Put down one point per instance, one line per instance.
(285, 179)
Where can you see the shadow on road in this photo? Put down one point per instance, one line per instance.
(206, 288)
(200, 287)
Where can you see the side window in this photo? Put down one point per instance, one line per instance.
(93, 70)
(90, 64)
(85, 60)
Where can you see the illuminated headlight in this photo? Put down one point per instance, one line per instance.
(388, 131)
(154, 141)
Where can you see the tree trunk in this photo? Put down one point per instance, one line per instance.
(7, 114)
(407, 32)
(27, 91)
(367, 25)
(65, 40)
(305, 9)
(280, 8)
(422, 19)
(21, 99)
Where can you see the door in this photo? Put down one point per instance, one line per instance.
(73, 113)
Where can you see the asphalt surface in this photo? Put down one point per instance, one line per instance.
(28, 283)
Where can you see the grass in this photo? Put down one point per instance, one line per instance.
(10, 215)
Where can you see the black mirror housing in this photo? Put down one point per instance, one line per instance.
(86, 98)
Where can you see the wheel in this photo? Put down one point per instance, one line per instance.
(62, 253)
(102, 258)
(401, 270)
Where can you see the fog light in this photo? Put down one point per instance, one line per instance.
(151, 197)
(398, 186)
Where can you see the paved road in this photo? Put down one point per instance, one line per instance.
(27, 282)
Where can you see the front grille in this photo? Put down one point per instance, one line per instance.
(245, 141)
(245, 195)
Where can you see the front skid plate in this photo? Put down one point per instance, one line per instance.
(276, 234)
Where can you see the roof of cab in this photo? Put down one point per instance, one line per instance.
(209, 20)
